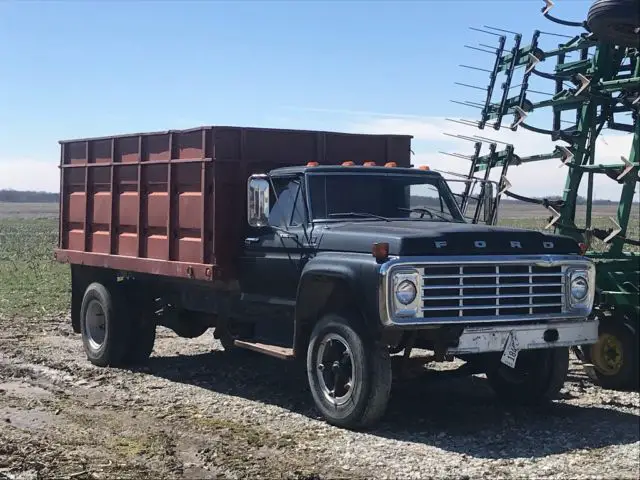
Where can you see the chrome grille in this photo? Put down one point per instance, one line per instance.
(492, 290)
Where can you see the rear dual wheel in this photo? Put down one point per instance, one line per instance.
(114, 331)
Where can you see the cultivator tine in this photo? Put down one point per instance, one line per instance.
(629, 166)
(506, 185)
(520, 117)
(463, 121)
(479, 49)
(532, 63)
(484, 31)
(584, 83)
(466, 103)
(548, 5)
(470, 86)
(457, 155)
(567, 156)
(614, 233)
(556, 217)
(475, 68)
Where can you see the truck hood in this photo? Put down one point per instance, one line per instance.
(416, 238)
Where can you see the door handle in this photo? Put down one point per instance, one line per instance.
(251, 240)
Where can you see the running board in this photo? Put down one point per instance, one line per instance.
(282, 353)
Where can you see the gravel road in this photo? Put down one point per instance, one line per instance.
(198, 412)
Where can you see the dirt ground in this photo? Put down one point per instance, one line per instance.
(198, 412)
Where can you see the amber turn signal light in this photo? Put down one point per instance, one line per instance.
(380, 250)
(583, 248)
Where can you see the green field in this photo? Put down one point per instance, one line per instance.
(32, 283)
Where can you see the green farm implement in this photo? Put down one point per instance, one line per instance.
(595, 79)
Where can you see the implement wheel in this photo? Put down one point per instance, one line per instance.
(613, 359)
(616, 22)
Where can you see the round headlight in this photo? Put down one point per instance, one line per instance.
(579, 288)
(406, 292)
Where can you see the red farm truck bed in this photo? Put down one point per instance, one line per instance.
(174, 203)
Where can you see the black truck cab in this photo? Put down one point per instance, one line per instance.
(345, 266)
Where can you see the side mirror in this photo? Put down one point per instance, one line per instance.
(258, 201)
(488, 202)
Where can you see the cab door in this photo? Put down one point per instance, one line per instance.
(272, 257)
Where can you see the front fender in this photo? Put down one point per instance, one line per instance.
(336, 280)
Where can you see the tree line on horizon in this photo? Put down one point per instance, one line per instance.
(30, 196)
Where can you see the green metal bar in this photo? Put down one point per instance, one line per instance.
(628, 191)
(616, 85)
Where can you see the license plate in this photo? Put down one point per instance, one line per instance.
(511, 349)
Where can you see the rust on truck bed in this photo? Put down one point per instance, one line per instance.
(174, 202)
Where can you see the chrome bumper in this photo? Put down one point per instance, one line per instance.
(558, 334)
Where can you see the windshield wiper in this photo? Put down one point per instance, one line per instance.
(359, 214)
(424, 210)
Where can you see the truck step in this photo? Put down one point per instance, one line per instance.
(282, 353)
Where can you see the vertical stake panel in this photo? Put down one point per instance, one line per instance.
(63, 202)
(139, 227)
(171, 238)
(87, 203)
(203, 199)
(114, 193)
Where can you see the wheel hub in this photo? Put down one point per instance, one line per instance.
(335, 372)
(95, 324)
(607, 354)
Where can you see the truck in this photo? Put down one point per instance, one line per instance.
(326, 248)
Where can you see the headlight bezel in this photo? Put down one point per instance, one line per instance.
(399, 277)
(575, 274)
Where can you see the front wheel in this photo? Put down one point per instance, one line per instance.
(349, 373)
(537, 378)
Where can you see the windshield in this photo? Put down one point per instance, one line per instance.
(381, 197)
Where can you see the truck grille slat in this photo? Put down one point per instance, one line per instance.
(490, 307)
(486, 290)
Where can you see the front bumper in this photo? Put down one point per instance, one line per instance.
(481, 339)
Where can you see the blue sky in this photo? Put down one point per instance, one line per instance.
(78, 68)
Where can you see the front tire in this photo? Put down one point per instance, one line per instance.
(349, 373)
(537, 378)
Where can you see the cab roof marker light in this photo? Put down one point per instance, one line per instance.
(391, 164)
(369, 164)
(424, 167)
(348, 164)
(312, 164)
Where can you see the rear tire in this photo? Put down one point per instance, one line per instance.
(351, 390)
(103, 328)
(115, 332)
(614, 21)
(537, 378)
